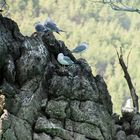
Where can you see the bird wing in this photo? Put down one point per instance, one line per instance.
(79, 48)
(49, 20)
(51, 26)
(66, 58)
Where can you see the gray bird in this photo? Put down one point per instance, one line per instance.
(51, 25)
(39, 27)
(64, 60)
(80, 48)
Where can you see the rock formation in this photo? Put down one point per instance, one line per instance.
(42, 100)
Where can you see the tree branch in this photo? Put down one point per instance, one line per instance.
(118, 5)
(124, 8)
(128, 79)
(128, 57)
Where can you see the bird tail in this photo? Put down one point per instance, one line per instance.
(62, 31)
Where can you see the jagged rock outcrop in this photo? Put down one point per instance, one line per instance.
(127, 126)
(42, 100)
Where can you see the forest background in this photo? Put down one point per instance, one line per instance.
(97, 24)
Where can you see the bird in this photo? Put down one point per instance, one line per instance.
(80, 48)
(39, 27)
(127, 105)
(51, 25)
(64, 60)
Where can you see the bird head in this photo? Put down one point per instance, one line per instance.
(60, 55)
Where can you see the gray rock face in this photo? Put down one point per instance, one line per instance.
(44, 100)
(56, 109)
(79, 101)
(30, 100)
(135, 124)
(41, 136)
(128, 127)
(14, 128)
(32, 61)
(89, 130)
(9, 70)
(133, 137)
(120, 135)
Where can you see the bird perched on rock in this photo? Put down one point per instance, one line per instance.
(39, 27)
(64, 60)
(80, 48)
(51, 25)
(127, 105)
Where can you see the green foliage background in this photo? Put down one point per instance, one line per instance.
(95, 23)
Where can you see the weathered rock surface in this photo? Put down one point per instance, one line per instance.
(133, 137)
(41, 136)
(120, 135)
(135, 124)
(128, 126)
(44, 100)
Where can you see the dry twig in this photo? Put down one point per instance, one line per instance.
(128, 57)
